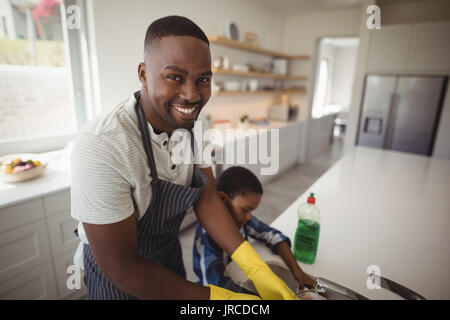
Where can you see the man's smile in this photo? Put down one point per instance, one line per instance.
(186, 113)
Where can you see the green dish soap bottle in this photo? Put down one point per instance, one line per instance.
(308, 230)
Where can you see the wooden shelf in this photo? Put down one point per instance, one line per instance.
(259, 92)
(244, 46)
(257, 74)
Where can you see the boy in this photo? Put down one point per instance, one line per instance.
(241, 192)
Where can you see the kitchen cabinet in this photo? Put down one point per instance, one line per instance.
(388, 48)
(430, 48)
(289, 150)
(37, 284)
(37, 245)
(22, 249)
(411, 48)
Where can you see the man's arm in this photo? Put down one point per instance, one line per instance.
(115, 249)
(215, 217)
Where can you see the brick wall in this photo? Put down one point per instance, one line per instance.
(35, 102)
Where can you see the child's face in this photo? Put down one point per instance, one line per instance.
(241, 206)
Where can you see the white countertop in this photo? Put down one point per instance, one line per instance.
(382, 208)
(56, 178)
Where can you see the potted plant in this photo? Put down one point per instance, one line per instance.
(243, 122)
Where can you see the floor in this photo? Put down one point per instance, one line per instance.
(278, 194)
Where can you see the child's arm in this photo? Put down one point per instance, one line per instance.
(284, 251)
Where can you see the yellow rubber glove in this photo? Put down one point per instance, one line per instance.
(268, 285)
(218, 293)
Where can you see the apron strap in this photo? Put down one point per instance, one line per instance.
(145, 136)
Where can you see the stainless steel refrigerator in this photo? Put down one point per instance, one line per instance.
(401, 112)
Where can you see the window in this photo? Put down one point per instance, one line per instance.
(321, 90)
(42, 89)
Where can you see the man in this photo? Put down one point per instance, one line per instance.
(129, 195)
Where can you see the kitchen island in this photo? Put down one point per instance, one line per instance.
(385, 209)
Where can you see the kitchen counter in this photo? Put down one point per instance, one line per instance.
(383, 208)
(56, 178)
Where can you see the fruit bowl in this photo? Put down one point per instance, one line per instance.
(21, 167)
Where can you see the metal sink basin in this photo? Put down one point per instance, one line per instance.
(333, 291)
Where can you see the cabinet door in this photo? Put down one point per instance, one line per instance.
(21, 214)
(60, 231)
(430, 48)
(389, 48)
(36, 284)
(57, 203)
(22, 249)
(61, 263)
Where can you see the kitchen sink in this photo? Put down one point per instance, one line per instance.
(332, 290)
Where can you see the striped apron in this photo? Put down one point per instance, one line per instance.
(157, 229)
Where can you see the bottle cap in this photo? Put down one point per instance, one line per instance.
(311, 199)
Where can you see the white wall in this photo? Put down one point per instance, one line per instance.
(302, 34)
(120, 29)
(328, 52)
(343, 75)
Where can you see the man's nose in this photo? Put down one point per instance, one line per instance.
(190, 93)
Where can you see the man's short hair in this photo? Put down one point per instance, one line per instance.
(172, 26)
(238, 181)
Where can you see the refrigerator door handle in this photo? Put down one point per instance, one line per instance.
(390, 121)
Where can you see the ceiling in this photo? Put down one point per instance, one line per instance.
(295, 7)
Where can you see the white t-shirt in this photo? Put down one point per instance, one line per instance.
(109, 167)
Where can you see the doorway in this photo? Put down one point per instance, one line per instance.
(336, 63)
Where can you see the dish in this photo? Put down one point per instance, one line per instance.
(232, 31)
(21, 167)
(232, 85)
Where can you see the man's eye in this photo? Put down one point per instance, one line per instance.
(204, 80)
(174, 77)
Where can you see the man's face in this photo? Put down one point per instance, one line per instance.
(177, 81)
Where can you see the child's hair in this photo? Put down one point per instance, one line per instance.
(236, 181)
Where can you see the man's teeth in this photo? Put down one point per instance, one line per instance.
(184, 110)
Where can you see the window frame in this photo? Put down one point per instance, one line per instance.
(316, 91)
(80, 53)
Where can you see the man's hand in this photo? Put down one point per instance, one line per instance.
(268, 285)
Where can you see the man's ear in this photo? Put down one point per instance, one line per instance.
(142, 74)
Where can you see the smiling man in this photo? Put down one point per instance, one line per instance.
(130, 198)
